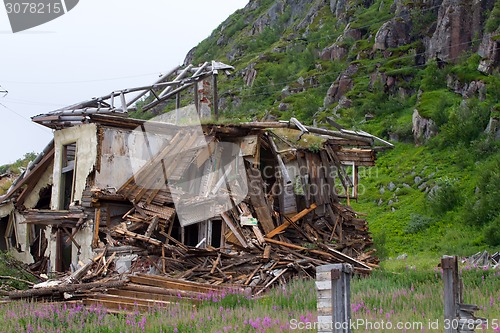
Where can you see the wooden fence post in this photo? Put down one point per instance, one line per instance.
(333, 284)
(458, 317)
(452, 293)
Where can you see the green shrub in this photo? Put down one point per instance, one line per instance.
(445, 197)
(4, 187)
(493, 21)
(418, 223)
(422, 19)
(437, 105)
(466, 70)
(491, 232)
(465, 124)
(403, 131)
(433, 78)
(485, 205)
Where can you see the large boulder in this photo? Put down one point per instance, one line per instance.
(489, 50)
(341, 86)
(392, 34)
(423, 128)
(459, 23)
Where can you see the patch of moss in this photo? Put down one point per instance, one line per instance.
(437, 104)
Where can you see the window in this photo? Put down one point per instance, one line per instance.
(11, 233)
(68, 167)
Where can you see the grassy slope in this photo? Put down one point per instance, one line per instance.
(405, 219)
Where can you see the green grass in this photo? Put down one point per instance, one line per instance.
(407, 291)
(9, 267)
(411, 172)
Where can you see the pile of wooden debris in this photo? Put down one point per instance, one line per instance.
(272, 214)
(483, 259)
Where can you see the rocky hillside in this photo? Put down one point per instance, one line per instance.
(423, 74)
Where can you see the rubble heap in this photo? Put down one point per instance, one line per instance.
(274, 213)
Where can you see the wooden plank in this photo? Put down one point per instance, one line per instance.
(304, 178)
(214, 266)
(344, 178)
(250, 277)
(267, 253)
(31, 179)
(97, 221)
(152, 226)
(233, 228)
(60, 289)
(294, 219)
(259, 202)
(258, 234)
(122, 305)
(344, 258)
(283, 271)
(338, 223)
(162, 291)
(138, 236)
(155, 281)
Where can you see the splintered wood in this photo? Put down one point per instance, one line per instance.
(281, 221)
(258, 243)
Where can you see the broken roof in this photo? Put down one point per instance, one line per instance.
(120, 102)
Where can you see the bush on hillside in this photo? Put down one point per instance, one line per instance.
(465, 124)
(484, 208)
(418, 223)
(445, 196)
(492, 232)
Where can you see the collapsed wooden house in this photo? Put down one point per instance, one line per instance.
(247, 204)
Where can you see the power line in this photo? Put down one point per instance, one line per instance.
(3, 91)
(31, 102)
(81, 81)
(44, 129)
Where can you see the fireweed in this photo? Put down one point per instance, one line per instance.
(407, 295)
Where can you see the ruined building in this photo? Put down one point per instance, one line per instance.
(247, 203)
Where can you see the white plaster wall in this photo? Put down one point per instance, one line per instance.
(85, 137)
(23, 228)
(84, 239)
(6, 210)
(46, 179)
(52, 249)
(123, 152)
(22, 239)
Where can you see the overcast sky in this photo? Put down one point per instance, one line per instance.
(98, 47)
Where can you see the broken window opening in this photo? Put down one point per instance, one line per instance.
(3, 231)
(63, 251)
(216, 233)
(11, 234)
(191, 235)
(38, 246)
(203, 234)
(68, 168)
(45, 196)
(351, 170)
